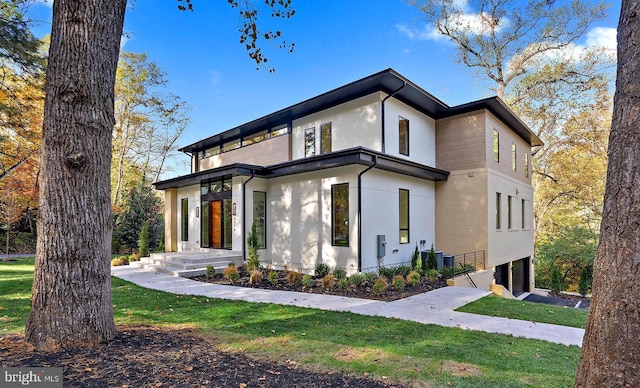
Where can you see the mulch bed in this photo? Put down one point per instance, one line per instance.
(143, 356)
(363, 292)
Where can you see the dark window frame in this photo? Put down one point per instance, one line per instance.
(309, 151)
(344, 241)
(403, 228)
(403, 146)
(498, 211)
(326, 146)
(509, 212)
(184, 217)
(262, 240)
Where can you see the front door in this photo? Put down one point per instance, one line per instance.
(215, 226)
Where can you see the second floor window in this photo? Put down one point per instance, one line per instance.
(403, 130)
(325, 138)
(514, 157)
(526, 165)
(496, 146)
(498, 211)
(310, 142)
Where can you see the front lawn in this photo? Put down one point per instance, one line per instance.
(496, 306)
(323, 340)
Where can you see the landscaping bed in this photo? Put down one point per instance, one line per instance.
(355, 286)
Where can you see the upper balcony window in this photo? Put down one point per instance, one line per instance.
(231, 145)
(403, 131)
(260, 136)
(310, 142)
(325, 138)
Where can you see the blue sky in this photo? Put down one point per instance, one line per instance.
(336, 42)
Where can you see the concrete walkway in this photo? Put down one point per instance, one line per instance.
(434, 307)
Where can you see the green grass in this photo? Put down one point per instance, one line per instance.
(400, 350)
(496, 306)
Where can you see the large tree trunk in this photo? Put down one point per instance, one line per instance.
(71, 303)
(611, 347)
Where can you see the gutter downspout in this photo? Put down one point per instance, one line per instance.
(375, 163)
(195, 167)
(244, 218)
(404, 83)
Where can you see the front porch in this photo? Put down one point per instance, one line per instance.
(189, 264)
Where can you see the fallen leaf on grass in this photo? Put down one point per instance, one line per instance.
(188, 368)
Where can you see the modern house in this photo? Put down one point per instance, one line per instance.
(358, 177)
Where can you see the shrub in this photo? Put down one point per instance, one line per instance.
(340, 273)
(556, 281)
(210, 272)
(583, 283)
(413, 278)
(343, 283)
(293, 278)
(357, 279)
(402, 270)
(307, 281)
(231, 273)
(388, 273)
(432, 275)
(328, 282)
(118, 261)
(432, 262)
(272, 277)
(134, 257)
(398, 283)
(380, 286)
(255, 276)
(370, 277)
(322, 270)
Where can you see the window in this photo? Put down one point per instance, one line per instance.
(184, 202)
(277, 131)
(340, 215)
(496, 146)
(260, 216)
(526, 165)
(231, 145)
(255, 138)
(523, 213)
(498, 210)
(310, 142)
(514, 159)
(404, 216)
(403, 130)
(509, 212)
(325, 138)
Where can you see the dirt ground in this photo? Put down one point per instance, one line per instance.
(143, 356)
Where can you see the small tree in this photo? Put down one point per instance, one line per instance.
(583, 284)
(143, 243)
(432, 262)
(253, 244)
(416, 261)
(556, 281)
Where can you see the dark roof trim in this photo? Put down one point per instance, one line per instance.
(499, 109)
(386, 81)
(358, 155)
(235, 169)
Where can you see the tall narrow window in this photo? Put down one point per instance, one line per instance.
(523, 213)
(403, 130)
(184, 202)
(509, 212)
(498, 211)
(310, 142)
(514, 158)
(325, 138)
(404, 216)
(496, 145)
(340, 215)
(526, 165)
(260, 217)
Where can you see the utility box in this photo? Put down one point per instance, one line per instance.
(382, 245)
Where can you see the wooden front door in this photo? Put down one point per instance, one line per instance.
(215, 226)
